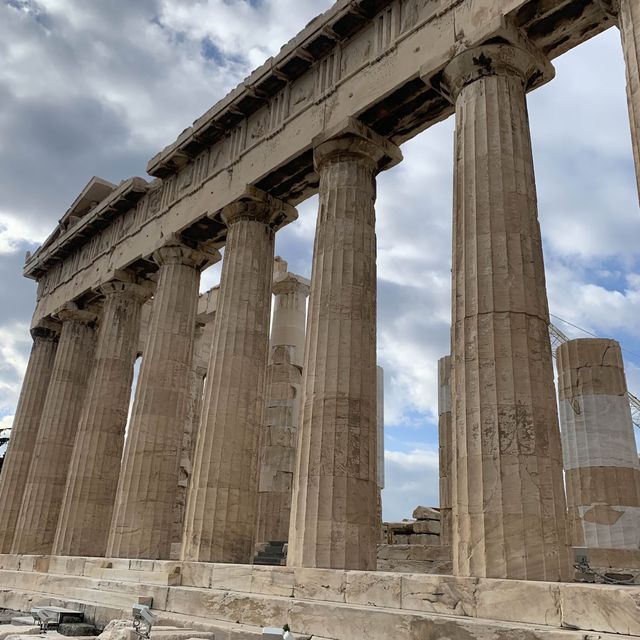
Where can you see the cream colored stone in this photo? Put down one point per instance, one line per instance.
(445, 446)
(197, 574)
(602, 472)
(146, 492)
(601, 608)
(320, 584)
(7, 630)
(221, 510)
(24, 432)
(94, 468)
(374, 589)
(231, 577)
(333, 519)
(426, 513)
(427, 526)
(45, 483)
(273, 582)
(439, 594)
(508, 495)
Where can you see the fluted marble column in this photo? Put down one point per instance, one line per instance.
(145, 498)
(221, 509)
(83, 526)
(63, 404)
(509, 509)
(445, 446)
(25, 428)
(627, 13)
(600, 457)
(334, 507)
(281, 417)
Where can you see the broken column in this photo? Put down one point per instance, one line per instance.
(220, 518)
(281, 417)
(87, 507)
(445, 446)
(600, 458)
(45, 484)
(334, 513)
(509, 503)
(145, 498)
(25, 428)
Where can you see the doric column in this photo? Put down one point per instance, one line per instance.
(281, 417)
(334, 514)
(509, 509)
(25, 428)
(600, 458)
(83, 526)
(445, 446)
(221, 508)
(627, 13)
(63, 403)
(145, 498)
(380, 443)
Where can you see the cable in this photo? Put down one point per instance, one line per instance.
(593, 335)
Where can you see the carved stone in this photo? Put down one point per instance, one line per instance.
(508, 495)
(333, 519)
(145, 498)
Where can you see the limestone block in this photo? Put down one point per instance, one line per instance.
(413, 552)
(9, 561)
(320, 584)
(231, 577)
(276, 581)
(373, 589)
(518, 601)
(197, 574)
(427, 526)
(426, 513)
(601, 608)
(424, 539)
(67, 565)
(439, 594)
(17, 630)
(119, 630)
(433, 567)
(615, 558)
(34, 563)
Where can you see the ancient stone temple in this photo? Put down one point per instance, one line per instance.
(240, 435)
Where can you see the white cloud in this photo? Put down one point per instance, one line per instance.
(14, 339)
(411, 479)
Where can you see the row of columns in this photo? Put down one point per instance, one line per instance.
(507, 496)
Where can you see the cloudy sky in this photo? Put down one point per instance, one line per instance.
(89, 87)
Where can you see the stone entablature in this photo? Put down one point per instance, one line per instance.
(358, 58)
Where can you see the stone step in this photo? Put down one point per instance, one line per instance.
(337, 621)
(234, 592)
(23, 620)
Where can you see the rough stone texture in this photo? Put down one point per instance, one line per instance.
(508, 495)
(445, 446)
(45, 484)
(25, 429)
(629, 21)
(221, 509)
(333, 520)
(426, 513)
(94, 468)
(278, 446)
(282, 408)
(600, 458)
(380, 450)
(145, 498)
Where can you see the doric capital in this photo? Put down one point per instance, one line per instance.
(258, 206)
(351, 139)
(494, 60)
(291, 283)
(46, 329)
(71, 313)
(175, 251)
(125, 290)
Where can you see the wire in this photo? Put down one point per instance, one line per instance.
(593, 335)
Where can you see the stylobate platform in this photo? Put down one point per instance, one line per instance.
(235, 601)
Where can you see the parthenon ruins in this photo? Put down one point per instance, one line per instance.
(256, 433)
